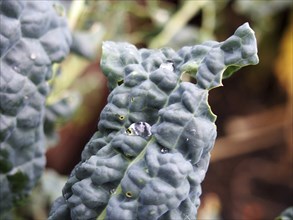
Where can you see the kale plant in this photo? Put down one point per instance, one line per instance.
(33, 35)
(152, 148)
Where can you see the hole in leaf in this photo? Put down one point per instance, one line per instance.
(129, 131)
(120, 82)
(186, 77)
(121, 117)
(128, 194)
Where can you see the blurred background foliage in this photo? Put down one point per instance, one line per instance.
(250, 175)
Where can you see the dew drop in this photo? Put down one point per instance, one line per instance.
(112, 191)
(152, 212)
(33, 56)
(164, 150)
(16, 69)
(142, 129)
(168, 65)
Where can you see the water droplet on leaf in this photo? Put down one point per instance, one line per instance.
(33, 56)
(16, 69)
(142, 129)
(164, 150)
(169, 65)
(112, 191)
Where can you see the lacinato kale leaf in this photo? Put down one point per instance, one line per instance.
(152, 148)
(33, 35)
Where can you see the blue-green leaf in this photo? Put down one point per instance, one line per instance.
(32, 37)
(152, 149)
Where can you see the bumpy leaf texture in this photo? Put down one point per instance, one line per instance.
(33, 35)
(154, 138)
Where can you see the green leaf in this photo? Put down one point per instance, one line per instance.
(152, 148)
(227, 57)
(33, 36)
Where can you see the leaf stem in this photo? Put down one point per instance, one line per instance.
(177, 22)
(76, 8)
